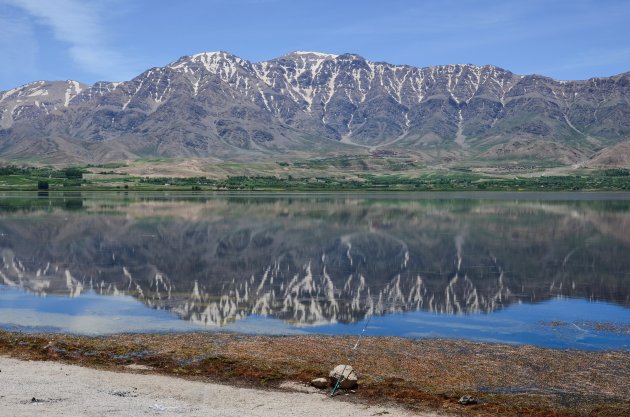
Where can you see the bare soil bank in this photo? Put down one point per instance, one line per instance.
(422, 375)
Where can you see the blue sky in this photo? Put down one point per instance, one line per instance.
(115, 40)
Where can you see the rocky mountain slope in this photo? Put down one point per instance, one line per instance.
(217, 105)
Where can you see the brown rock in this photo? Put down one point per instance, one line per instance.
(349, 378)
(467, 400)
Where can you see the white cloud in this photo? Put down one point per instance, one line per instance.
(79, 24)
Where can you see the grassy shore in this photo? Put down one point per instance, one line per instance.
(327, 176)
(420, 374)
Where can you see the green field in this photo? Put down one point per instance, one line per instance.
(90, 178)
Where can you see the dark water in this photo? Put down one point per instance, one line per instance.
(544, 269)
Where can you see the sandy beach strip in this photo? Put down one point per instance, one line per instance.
(29, 388)
(419, 376)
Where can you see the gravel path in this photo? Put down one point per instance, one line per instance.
(29, 388)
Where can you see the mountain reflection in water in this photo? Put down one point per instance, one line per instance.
(316, 259)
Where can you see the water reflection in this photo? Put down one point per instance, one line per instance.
(313, 260)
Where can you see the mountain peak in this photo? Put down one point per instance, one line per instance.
(311, 55)
(206, 59)
(211, 54)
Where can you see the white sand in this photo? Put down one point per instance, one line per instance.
(68, 390)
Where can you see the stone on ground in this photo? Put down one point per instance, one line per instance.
(320, 383)
(349, 378)
(467, 400)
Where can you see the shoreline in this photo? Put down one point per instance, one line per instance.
(359, 191)
(420, 375)
(322, 177)
(53, 389)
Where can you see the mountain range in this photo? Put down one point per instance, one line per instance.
(220, 107)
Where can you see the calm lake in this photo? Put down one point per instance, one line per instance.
(538, 268)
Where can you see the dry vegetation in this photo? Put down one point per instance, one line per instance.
(421, 374)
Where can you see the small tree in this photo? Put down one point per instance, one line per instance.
(42, 185)
(73, 173)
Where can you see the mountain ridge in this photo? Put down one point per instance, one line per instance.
(219, 106)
